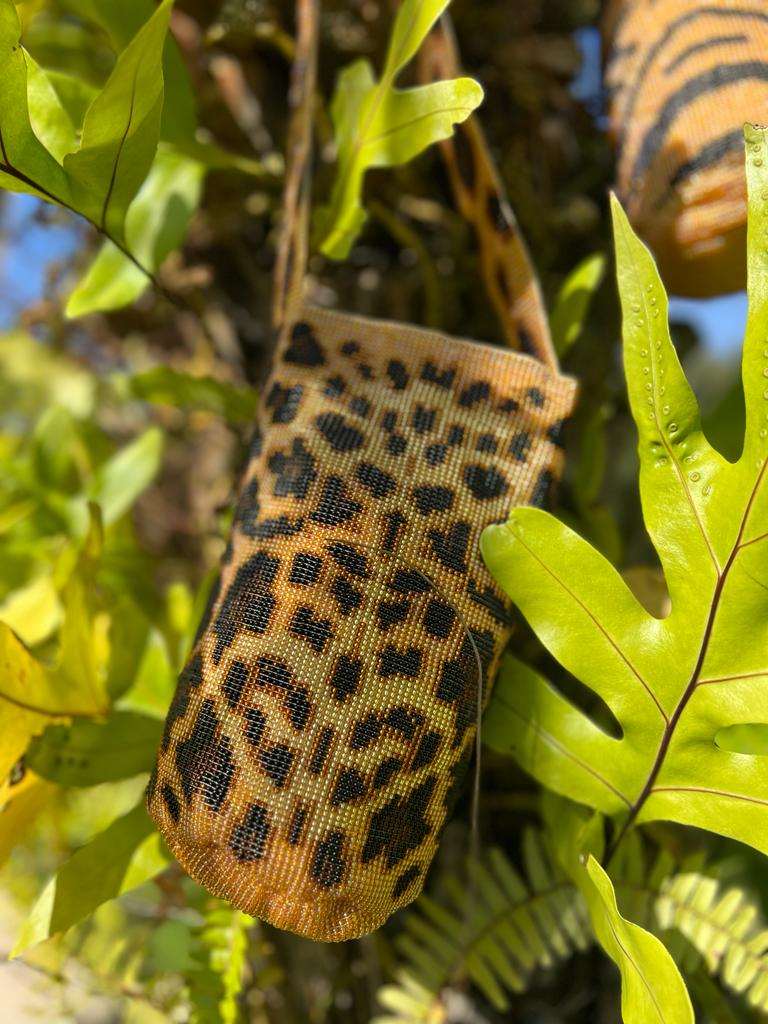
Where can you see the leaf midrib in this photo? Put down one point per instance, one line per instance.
(694, 681)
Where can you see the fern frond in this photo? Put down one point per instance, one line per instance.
(725, 927)
(221, 949)
(498, 928)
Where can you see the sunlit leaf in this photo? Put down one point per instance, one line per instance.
(652, 991)
(573, 302)
(121, 130)
(123, 478)
(378, 125)
(33, 611)
(50, 121)
(166, 386)
(19, 807)
(25, 163)
(128, 853)
(155, 225)
(673, 684)
(87, 753)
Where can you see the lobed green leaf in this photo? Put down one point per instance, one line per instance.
(378, 125)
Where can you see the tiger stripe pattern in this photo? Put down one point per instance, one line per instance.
(682, 79)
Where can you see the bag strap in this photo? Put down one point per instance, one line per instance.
(293, 244)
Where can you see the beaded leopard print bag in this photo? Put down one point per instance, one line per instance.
(329, 706)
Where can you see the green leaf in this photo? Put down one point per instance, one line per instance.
(155, 225)
(122, 21)
(121, 130)
(652, 991)
(672, 683)
(725, 927)
(164, 385)
(378, 125)
(514, 925)
(126, 854)
(573, 302)
(25, 164)
(50, 120)
(122, 479)
(87, 753)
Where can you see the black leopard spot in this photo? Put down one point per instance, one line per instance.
(256, 724)
(451, 547)
(360, 407)
(350, 786)
(335, 507)
(389, 766)
(316, 631)
(404, 720)
(191, 753)
(273, 673)
(304, 348)
(276, 762)
(334, 387)
(487, 443)
(509, 405)
(305, 570)
(399, 826)
(190, 678)
(350, 348)
(249, 837)
(389, 421)
(339, 434)
(526, 341)
(484, 482)
(171, 801)
(390, 613)
(349, 559)
(397, 663)
(366, 731)
(375, 480)
(267, 529)
(410, 581)
(322, 747)
(395, 522)
(540, 495)
(433, 499)
(429, 744)
(299, 707)
(346, 677)
(439, 618)
(293, 473)
(237, 677)
(397, 444)
(284, 402)
(455, 435)
(248, 603)
(405, 881)
(297, 826)
(397, 374)
(555, 433)
(422, 419)
(435, 454)
(477, 392)
(216, 774)
(347, 596)
(520, 445)
(329, 865)
(248, 508)
(497, 214)
(431, 374)
(535, 397)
